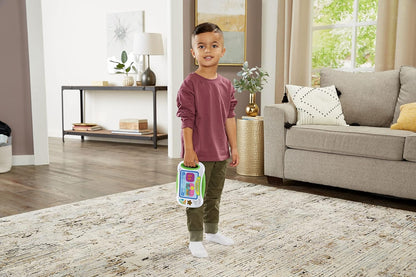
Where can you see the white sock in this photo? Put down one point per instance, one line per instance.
(219, 238)
(198, 249)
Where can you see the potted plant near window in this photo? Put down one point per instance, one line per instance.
(123, 68)
(251, 80)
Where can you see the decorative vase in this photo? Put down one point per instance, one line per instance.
(252, 109)
(128, 81)
(148, 77)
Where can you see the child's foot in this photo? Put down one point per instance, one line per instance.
(198, 249)
(219, 238)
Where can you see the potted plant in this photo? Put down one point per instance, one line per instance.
(123, 68)
(251, 80)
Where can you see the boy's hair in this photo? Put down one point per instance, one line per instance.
(206, 27)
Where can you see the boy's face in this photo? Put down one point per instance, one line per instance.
(208, 48)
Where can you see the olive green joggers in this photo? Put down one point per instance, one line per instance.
(207, 216)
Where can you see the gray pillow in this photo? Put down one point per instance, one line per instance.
(407, 92)
(367, 98)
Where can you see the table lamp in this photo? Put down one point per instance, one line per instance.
(148, 44)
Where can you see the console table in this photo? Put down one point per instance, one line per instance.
(108, 133)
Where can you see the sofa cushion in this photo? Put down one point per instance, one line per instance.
(407, 118)
(372, 142)
(316, 105)
(410, 148)
(367, 98)
(407, 92)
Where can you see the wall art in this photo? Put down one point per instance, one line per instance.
(231, 17)
(121, 28)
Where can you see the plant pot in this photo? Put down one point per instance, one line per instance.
(128, 81)
(252, 109)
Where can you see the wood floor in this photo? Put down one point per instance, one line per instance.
(83, 170)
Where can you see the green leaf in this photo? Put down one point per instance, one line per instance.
(124, 56)
(251, 79)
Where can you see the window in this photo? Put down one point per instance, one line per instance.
(344, 35)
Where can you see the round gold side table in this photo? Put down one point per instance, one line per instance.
(250, 147)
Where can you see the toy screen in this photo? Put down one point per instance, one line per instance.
(188, 186)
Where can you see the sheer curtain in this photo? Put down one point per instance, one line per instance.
(293, 45)
(396, 34)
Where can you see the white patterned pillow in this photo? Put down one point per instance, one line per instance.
(317, 106)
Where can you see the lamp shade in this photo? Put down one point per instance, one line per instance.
(148, 44)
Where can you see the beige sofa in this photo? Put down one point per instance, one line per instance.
(366, 155)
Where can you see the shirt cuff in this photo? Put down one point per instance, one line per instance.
(187, 123)
(231, 114)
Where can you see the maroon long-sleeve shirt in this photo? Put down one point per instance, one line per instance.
(204, 106)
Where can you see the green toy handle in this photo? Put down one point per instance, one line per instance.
(190, 168)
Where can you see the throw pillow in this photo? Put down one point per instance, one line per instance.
(317, 106)
(407, 92)
(368, 98)
(407, 118)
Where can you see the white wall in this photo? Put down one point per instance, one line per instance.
(37, 84)
(75, 53)
(175, 56)
(75, 44)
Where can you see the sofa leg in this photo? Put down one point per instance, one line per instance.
(275, 180)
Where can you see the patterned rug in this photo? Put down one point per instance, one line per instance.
(277, 233)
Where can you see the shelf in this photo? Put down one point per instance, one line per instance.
(155, 136)
(116, 88)
(109, 134)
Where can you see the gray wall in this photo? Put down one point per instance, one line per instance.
(253, 50)
(15, 104)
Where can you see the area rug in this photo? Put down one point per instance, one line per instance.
(277, 232)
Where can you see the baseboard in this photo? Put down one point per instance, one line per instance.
(23, 160)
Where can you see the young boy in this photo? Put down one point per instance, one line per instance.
(206, 107)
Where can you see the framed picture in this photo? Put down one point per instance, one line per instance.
(121, 28)
(231, 17)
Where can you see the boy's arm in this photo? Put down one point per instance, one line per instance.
(231, 129)
(190, 158)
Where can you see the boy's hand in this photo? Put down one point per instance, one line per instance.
(231, 130)
(235, 159)
(190, 158)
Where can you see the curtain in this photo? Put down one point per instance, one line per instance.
(293, 45)
(396, 34)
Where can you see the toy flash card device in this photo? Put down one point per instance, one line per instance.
(190, 185)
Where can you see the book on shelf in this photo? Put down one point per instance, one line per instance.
(134, 132)
(86, 127)
(84, 124)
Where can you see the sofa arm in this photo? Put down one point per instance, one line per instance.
(275, 117)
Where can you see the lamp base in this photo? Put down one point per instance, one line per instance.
(148, 78)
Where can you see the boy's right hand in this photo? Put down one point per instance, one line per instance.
(190, 158)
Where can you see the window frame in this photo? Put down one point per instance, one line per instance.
(354, 25)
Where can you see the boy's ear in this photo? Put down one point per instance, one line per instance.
(193, 53)
(223, 52)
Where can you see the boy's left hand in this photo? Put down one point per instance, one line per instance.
(234, 158)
